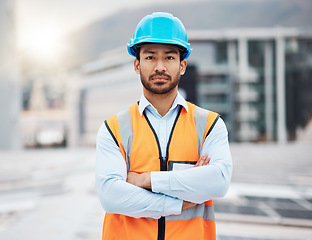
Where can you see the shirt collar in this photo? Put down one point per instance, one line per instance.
(179, 100)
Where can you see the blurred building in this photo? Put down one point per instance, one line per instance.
(9, 79)
(43, 125)
(103, 88)
(257, 79)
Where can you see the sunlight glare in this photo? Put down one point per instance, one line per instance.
(44, 45)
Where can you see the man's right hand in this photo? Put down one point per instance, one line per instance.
(187, 205)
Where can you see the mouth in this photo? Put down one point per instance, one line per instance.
(160, 77)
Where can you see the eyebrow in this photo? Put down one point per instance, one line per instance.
(147, 51)
(171, 51)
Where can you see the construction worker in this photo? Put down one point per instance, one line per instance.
(160, 163)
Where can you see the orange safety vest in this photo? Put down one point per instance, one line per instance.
(131, 131)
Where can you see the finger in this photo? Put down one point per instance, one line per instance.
(201, 160)
(204, 160)
(207, 160)
(199, 163)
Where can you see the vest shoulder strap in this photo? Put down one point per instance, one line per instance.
(205, 121)
(120, 127)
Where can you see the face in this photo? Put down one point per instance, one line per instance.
(160, 68)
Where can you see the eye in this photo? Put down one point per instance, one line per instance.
(149, 58)
(170, 58)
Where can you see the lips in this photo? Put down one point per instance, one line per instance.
(160, 77)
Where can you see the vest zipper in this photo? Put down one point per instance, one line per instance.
(163, 163)
(163, 167)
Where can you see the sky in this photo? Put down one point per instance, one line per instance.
(41, 24)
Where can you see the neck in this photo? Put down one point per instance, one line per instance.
(162, 102)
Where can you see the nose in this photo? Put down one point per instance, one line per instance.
(160, 66)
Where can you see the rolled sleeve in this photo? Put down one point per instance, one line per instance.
(173, 205)
(160, 181)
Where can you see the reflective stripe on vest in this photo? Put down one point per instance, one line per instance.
(204, 124)
(126, 133)
(131, 131)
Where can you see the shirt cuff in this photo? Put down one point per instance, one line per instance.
(160, 182)
(173, 206)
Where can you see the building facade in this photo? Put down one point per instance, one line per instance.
(257, 79)
(252, 78)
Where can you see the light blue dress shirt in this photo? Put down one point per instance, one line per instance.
(169, 189)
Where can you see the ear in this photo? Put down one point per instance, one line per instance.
(183, 65)
(137, 66)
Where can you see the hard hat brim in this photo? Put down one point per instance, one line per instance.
(185, 47)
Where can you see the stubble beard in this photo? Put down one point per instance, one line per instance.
(157, 88)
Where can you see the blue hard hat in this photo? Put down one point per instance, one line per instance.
(160, 27)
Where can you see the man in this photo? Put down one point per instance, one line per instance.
(152, 171)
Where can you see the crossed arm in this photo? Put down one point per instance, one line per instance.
(143, 180)
(159, 194)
